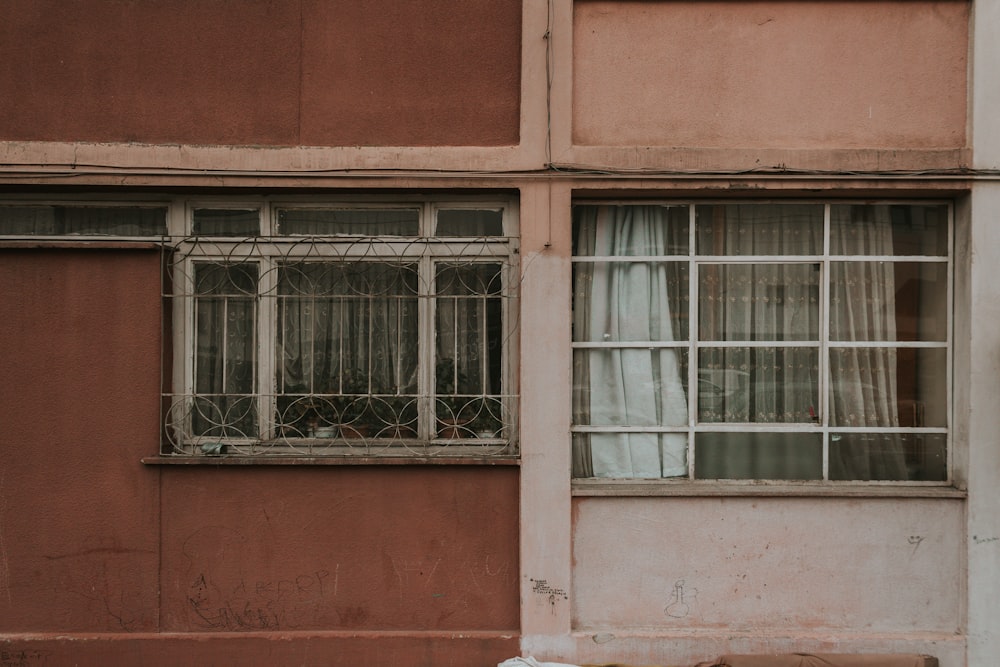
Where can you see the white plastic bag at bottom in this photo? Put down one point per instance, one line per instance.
(531, 662)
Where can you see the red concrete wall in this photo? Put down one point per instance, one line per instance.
(345, 548)
(140, 564)
(78, 404)
(261, 72)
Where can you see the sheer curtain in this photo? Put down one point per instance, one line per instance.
(771, 303)
(628, 302)
(347, 330)
(225, 344)
(863, 380)
(69, 220)
(766, 302)
(468, 346)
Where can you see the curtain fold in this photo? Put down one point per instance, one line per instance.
(347, 331)
(630, 302)
(468, 344)
(225, 340)
(863, 380)
(759, 302)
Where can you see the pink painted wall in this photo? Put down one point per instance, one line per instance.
(93, 541)
(760, 563)
(763, 570)
(261, 72)
(770, 74)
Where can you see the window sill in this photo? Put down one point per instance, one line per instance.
(727, 489)
(331, 460)
(64, 244)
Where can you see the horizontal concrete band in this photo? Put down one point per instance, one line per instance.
(402, 649)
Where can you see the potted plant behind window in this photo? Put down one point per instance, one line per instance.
(484, 423)
(354, 418)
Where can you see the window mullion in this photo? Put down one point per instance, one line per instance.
(267, 348)
(693, 333)
(949, 336)
(510, 275)
(824, 344)
(426, 362)
(185, 308)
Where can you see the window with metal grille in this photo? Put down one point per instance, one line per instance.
(373, 329)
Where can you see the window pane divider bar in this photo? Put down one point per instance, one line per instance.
(824, 352)
(758, 259)
(264, 365)
(622, 259)
(796, 427)
(702, 344)
(833, 344)
(692, 338)
(641, 344)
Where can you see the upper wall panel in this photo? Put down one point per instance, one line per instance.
(812, 74)
(261, 72)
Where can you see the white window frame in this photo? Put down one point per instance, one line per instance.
(693, 344)
(269, 249)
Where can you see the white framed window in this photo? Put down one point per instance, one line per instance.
(355, 327)
(817, 334)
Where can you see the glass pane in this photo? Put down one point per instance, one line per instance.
(759, 229)
(758, 302)
(347, 328)
(467, 222)
(630, 387)
(889, 229)
(888, 387)
(644, 230)
(225, 312)
(630, 455)
(469, 279)
(758, 385)
(84, 220)
(635, 301)
(889, 456)
(353, 222)
(222, 279)
(758, 456)
(888, 301)
(226, 222)
(468, 330)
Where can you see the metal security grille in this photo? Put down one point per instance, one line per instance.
(344, 331)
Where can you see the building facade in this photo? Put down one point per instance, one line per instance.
(368, 333)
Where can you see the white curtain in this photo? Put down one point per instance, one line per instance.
(779, 384)
(627, 301)
(225, 344)
(348, 333)
(863, 380)
(763, 302)
(70, 220)
(468, 346)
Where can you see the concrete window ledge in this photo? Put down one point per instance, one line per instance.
(823, 660)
